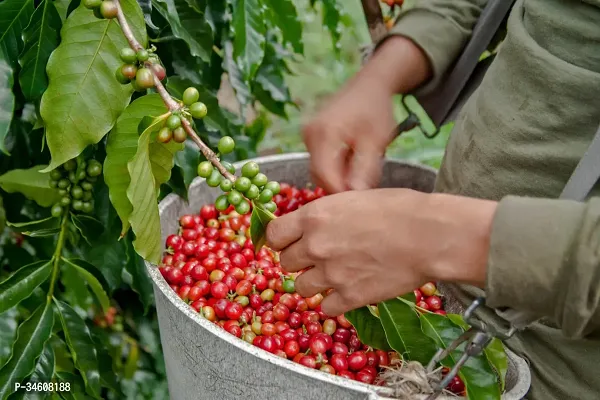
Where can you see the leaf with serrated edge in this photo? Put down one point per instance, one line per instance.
(476, 373)
(93, 283)
(41, 37)
(31, 183)
(140, 283)
(142, 194)
(403, 331)
(249, 36)
(81, 345)
(19, 285)
(368, 328)
(14, 17)
(189, 25)
(285, 17)
(494, 351)
(83, 99)
(121, 147)
(7, 100)
(31, 338)
(258, 224)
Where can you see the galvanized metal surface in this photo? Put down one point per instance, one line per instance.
(205, 362)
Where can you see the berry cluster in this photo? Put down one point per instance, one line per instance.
(110, 320)
(172, 129)
(103, 9)
(75, 183)
(211, 264)
(427, 298)
(136, 68)
(252, 185)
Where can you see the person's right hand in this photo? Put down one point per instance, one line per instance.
(348, 137)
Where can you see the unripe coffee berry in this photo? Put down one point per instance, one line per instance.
(253, 192)
(226, 185)
(179, 135)
(260, 180)
(229, 167)
(243, 208)
(273, 187)
(265, 196)
(221, 203)
(94, 168)
(164, 135)
(128, 55)
(129, 71)
(109, 9)
(234, 197)
(242, 184)
(271, 206)
(70, 165)
(144, 78)
(56, 210)
(198, 110)
(142, 55)
(226, 145)
(173, 122)
(91, 4)
(190, 96)
(205, 168)
(214, 179)
(250, 169)
(55, 175)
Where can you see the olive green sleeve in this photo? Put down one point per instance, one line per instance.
(545, 259)
(441, 28)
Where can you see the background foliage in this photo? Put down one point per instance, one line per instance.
(258, 68)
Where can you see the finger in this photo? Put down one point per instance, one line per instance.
(365, 166)
(311, 282)
(284, 230)
(335, 304)
(295, 257)
(327, 158)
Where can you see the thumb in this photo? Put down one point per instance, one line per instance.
(365, 166)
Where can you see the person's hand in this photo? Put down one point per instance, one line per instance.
(374, 245)
(348, 137)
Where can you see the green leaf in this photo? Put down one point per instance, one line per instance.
(121, 147)
(46, 223)
(62, 356)
(43, 232)
(62, 6)
(31, 183)
(189, 25)
(249, 36)
(83, 99)
(108, 377)
(476, 373)
(7, 100)
(239, 85)
(8, 332)
(14, 17)
(140, 281)
(75, 291)
(89, 227)
(332, 16)
(77, 390)
(143, 190)
(146, 6)
(494, 351)
(284, 15)
(31, 338)
(20, 284)
(368, 328)
(93, 277)
(43, 372)
(132, 361)
(41, 37)
(187, 160)
(403, 331)
(258, 224)
(273, 93)
(81, 345)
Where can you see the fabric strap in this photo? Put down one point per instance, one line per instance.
(444, 104)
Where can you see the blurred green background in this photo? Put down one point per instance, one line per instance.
(321, 73)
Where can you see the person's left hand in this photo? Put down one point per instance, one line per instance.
(373, 245)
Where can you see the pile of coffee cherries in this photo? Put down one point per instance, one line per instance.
(211, 264)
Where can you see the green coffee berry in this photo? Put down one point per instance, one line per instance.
(87, 196)
(56, 210)
(260, 180)
(253, 192)
(87, 207)
(64, 183)
(77, 192)
(173, 122)
(65, 201)
(91, 4)
(63, 192)
(94, 168)
(221, 203)
(128, 55)
(55, 175)
(242, 184)
(214, 179)
(235, 197)
(205, 168)
(229, 167)
(190, 96)
(250, 169)
(226, 145)
(198, 110)
(243, 208)
(70, 165)
(274, 187)
(86, 186)
(265, 196)
(53, 184)
(271, 206)
(77, 205)
(142, 55)
(226, 185)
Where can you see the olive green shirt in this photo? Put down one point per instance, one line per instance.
(517, 140)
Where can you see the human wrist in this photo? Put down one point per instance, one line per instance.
(461, 241)
(397, 66)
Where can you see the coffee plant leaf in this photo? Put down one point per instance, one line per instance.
(32, 183)
(8, 332)
(494, 351)
(477, 373)
(131, 364)
(189, 25)
(7, 100)
(236, 79)
(94, 279)
(284, 15)
(20, 284)
(146, 6)
(187, 161)
(149, 172)
(46, 223)
(258, 224)
(270, 88)
(14, 18)
(83, 99)
(41, 37)
(332, 18)
(140, 282)
(77, 335)
(42, 232)
(216, 119)
(77, 391)
(32, 336)
(403, 331)
(121, 147)
(368, 328)
(45, 366)
(249, 32)
(63, 8)
(89, 227)
(108, 378)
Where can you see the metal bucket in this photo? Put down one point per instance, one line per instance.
(205, 362)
